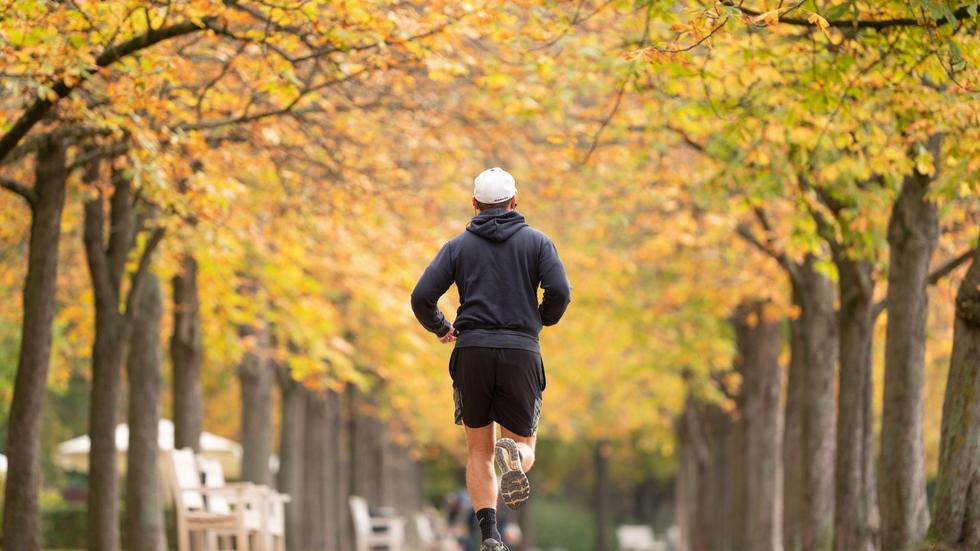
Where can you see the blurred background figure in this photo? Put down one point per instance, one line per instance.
(461, 518)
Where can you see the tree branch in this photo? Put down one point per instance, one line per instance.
(68, 135)
(934, 278)
(122, 228)
(950, 265)
(24, 191)
(960, 14)
(93, 238)
(139, 276)
(95, 154)
(686, 138)
(62, 89)
(825, 228)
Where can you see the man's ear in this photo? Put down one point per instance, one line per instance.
(513, 203)
(475, 204)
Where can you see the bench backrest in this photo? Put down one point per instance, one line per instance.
(635, 537)
(214, 477)
(360, 514)
(423, 526)
(186, 480)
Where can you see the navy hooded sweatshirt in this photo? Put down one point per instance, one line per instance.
(497, 264)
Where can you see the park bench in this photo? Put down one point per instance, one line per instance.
(637, 537)
(375, 531)
(270, 511)
(433, 534)
(215, 513)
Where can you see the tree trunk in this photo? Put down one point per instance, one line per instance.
(603, 497)
(21, 520)
(737, 500)
(256, 376)
(112, 332)
(320, 517)
(402, 475)
(691, 455)
(345, 468)
(107, 357)
(855, 511)
(817, 326)
(684, 482)
(793, 436)
(187, 355)
(758, 341)
(704, 483)
(108, 352)
(912, 233)
(717, 523)
(144, 510)
(292, 437)
(366, 451)
(956, 514)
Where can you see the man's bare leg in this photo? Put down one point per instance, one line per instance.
(481, 480)
(525, 444)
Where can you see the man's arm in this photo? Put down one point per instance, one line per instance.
(557, 289)
(432, 285)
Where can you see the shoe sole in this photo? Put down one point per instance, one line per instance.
(514, 486)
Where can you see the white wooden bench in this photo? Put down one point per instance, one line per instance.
(637, 537)
(217, 512)
(269, 511)
(370, 532)
(433, 533)
(229, 511)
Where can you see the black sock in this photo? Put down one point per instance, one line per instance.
(488, 523)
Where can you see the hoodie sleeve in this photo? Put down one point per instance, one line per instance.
(434, 283)
(557, 289)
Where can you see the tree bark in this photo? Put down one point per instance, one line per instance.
(366, 451)
(21, 520)
(320, 517)
(187, 356)
(112, 332)
(690, 454)
(717, 522)
(603, 497)
(855, 511)
(912, 233)
(345, 478)
(292, 437)
(256, 376)
(144, 509)
(956, 513)
(737, 500)
(705, 483)
(793, 436)
(684, 483)
(108, 351)
(817, 326)
(403, 486)
(758, 341)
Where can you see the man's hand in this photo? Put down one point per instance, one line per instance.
(448, 337)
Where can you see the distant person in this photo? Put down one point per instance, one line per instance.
(497, 264)
(460, 518)
(510, 530)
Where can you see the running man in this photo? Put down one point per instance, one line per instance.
(498, 377)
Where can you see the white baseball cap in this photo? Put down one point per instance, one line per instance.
(494, 185)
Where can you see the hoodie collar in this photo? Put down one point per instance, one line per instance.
(496, 225)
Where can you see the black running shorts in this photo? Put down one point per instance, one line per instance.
(498, 384)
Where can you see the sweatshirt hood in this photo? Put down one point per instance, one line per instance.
(496, 225)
